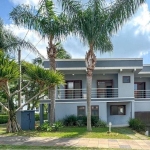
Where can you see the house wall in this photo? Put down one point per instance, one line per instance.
(113, 77)
(142, 106)
(125, 89)
(119, 119)
(65, 109)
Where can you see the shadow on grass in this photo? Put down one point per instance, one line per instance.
(75, 132)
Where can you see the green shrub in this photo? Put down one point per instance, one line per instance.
(3, 119)
(46, 127)
(73, 120)
(57, 125)
(70, 120)
(136, 124)
(101, 123)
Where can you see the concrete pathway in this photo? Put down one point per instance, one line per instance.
(77, 142)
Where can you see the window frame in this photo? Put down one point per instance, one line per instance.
(126, 79)
(97, 109)
(124, 109)
(78, 111)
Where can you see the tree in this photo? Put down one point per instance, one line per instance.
(10, 43)
(9, 72)
(95, 22)
(49, 25)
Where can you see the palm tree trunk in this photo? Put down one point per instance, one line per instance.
(51, 52)
(90, 60)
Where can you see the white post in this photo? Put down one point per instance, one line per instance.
(110, 124)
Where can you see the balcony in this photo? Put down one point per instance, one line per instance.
(142, 93)
(81, 93)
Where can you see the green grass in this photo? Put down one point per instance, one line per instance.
(73, 132)
(48, 147)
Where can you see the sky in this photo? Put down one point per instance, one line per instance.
(131, 41)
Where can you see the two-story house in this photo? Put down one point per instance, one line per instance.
(120, 89)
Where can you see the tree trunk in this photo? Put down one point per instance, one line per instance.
(89, 84)
(51, 52)
(52, 108)
(90, 60)
(12, 125)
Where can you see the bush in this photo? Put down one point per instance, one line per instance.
(137, 124)
(57, 125)
(3, 119)
(46, 127)
(70, 120)
(73, 120)
(101, 123)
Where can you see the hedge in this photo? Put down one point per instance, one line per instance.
(4, 118)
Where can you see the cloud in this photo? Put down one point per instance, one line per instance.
(133, 40)
(29, 2)
(33, 37)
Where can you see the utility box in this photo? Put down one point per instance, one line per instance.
(26, 119)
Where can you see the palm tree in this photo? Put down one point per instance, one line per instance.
(9, 73)
(94, 23)
(49, 25)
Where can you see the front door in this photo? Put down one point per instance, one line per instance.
(73, 89)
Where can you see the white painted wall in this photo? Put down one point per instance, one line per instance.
(142, 106)
(65, 109)
(125, 89)
(119, 119)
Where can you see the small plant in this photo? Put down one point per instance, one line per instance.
(101, 123)
(57, 125)
(44, 127)
(136, 124)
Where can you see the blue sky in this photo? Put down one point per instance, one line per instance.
(132, 41)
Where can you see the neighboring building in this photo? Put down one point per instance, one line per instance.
(120, 89)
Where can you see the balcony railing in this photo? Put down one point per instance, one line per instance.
(81, 93)
(142, 93)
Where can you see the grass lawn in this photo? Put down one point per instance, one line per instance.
(72, 132)
(49, 147)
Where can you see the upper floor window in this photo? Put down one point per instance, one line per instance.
(117, 110)
(126, 79)
(73, 89)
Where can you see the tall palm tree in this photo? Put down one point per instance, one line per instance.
(49, 25)
(94, 23)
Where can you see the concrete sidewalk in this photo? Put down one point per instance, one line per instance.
(77, 142)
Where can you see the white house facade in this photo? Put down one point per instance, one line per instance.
(120, 90)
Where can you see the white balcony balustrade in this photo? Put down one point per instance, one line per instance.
(142, 93)
(81, 93)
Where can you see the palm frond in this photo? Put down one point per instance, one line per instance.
(42, 76)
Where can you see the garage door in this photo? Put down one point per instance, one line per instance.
(144, 116)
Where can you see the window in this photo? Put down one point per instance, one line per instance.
(95, 110)
(73, 89)
(81, 110)
(117, 110)
(126, 79)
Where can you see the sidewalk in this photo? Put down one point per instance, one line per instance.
(77, 142)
